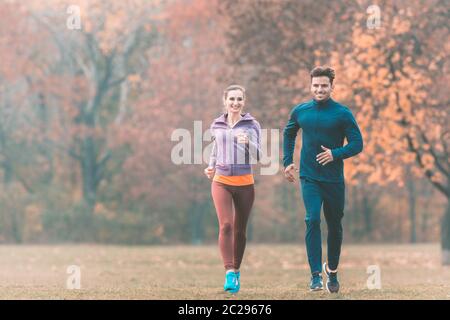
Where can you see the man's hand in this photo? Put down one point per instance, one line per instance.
(289, 172)
(324, 157)
(209, 172)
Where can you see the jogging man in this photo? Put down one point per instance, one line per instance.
(324, 123)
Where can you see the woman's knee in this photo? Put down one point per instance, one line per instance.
(226, 229)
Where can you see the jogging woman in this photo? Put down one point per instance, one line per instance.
(236, 146)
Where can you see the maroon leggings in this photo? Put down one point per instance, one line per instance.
(232, 221)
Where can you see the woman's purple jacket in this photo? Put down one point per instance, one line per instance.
(229, 157)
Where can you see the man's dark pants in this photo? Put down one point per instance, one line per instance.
(332, 196)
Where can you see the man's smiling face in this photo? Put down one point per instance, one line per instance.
(321, 88)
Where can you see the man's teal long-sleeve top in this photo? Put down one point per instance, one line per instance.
(323, 123)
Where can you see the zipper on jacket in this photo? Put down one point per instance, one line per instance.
(315, 133)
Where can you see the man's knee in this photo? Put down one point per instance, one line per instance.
(334, 226)
(312, 222)
(333, 217)
(334, 220)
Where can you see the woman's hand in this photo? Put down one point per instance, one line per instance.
(209, 172)
(242, 137)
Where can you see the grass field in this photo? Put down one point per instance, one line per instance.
(196, 272)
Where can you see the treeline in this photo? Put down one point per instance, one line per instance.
(88, 114)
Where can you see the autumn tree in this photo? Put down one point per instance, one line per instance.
(396, 74)
(277, 43)
(99, 61)
(182, 86)
(24, 62)
(272, 46)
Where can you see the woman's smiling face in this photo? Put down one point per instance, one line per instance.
(234, 101)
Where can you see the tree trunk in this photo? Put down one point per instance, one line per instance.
(412, 208)
(84, 220)
(286, 204)
(197, 223)
(367, 213)
(285, 208)
(16, 227)
(8, 174)
(293, 208)
(427, 193)
(355, 214)
(7, 171)
(445, 236)
(89, 171)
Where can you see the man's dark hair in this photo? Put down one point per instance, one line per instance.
(323, 72)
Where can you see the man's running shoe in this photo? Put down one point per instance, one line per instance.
(332, 283)
(316, 283)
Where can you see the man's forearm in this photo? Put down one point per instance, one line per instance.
(288, 150)
(289, 135)
(349, 150)
(354, 138)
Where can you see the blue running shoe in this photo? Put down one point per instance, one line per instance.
(230, 282)
(316, 283)
(238, 282)
(332, 283)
